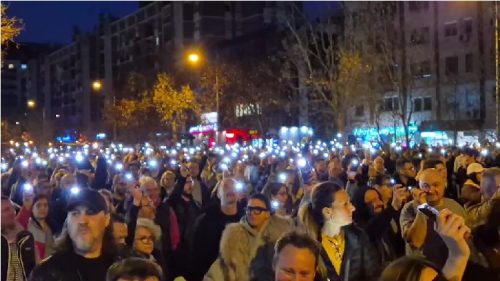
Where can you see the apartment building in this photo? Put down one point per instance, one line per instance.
(152, 39)
(449, 54)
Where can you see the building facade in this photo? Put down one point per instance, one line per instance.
(153, 39)
(449, 55)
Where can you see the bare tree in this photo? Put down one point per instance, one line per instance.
(326, 64)
(376, 31)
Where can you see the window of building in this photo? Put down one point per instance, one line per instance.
(359, 110)
(247, 110)
(427, 104)
(467, 26)
(417, 104)
(11, 66)
(450, 29)
(391, 103)
(24, 66)
(451, 65)
(468, 63)
(421, 69)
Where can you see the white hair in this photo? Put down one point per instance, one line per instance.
(147, 180)
(151, 226)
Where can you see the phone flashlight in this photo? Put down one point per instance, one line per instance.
(153, 163)
(129, 177)
(282, 177)
(119, 166)
(28, 187)
(275, 204)
(301, 163)
(75, 190)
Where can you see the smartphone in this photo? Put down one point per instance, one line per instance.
(429, 211)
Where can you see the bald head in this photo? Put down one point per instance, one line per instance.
(227, 192)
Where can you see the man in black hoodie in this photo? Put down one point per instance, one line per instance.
(209, 228)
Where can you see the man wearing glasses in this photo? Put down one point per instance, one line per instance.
(247, 247)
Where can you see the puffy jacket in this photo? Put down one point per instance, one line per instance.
(25, 250)
(246, 254)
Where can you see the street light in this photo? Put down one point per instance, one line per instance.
(31, 103)
(193, 58)
(97, 85)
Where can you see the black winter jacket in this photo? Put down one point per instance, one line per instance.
(25, 250)
(359, 263)
(63, 266)
(207, 234)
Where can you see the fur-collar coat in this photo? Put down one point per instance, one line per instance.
(245, 254)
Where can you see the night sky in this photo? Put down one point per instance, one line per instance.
(52, 22)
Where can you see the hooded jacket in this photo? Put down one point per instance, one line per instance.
(246, 254)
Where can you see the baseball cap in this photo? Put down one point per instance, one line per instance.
(88, 198)
(474, 168)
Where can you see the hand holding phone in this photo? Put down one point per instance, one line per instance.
(430, 212)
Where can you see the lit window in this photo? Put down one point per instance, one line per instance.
(24, 66)
(11, 66)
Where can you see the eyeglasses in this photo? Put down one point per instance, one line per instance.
(146, 240)
(255, 210)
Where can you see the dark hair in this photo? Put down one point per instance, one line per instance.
(408, 268)
(39, 197)
(298, 240)
(322, 197)
(263, 198)
(469, 151)
(401, 163)
(274, 187)
(115, 217)
(133, 269)
(432, 163)
(378, 180)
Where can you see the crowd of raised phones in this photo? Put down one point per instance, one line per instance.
(308, 211)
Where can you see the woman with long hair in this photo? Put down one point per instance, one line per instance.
(34, 218)
(346, 252)
(280, 199)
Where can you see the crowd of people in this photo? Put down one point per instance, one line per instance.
(285, 211)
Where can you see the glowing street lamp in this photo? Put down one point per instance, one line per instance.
(193, 58)
(97, 85)
(31, 103)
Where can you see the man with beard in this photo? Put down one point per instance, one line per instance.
(210, 225)
(86, 248)
(417, 228)
(120, 191)
(382, 225)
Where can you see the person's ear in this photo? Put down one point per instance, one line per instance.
(327, 212)
(107, 219)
